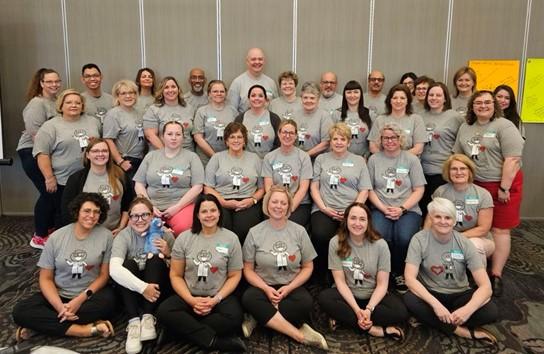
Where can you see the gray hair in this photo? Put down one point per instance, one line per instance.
(442, 206)
(311, 87)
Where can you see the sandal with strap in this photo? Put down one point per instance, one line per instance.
(394, 335)
(489, 338)
(109, 333)
(22, 334)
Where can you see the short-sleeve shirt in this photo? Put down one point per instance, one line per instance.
(467, 203)
(234, 176)
(441, 131)
(157, 116)
(76, 263)
(278, 254)
(64, 142)
(459, 104)
(129, 244)
(238, 90)
(362, 265)
(196, 101)
(95, 183)
(313, 128)
(98, 106)
(288, 169)
(37, 111)
(284, 109)
(488, 145)
(127, 129)
(168, 179)
(359, 133)
(412, 127)
(340, 179)
(331, 104)
(375, 105)
(443, 266)
(143, 103)
(208, 259)
(260, 133)
(393, 178)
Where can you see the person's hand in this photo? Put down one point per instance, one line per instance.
(245, 204)
(284, 291)
(114, 232)
(230, 204)
(273, 295)
(157, 213)
(393, 213)
(201, 305)
(442, 313)
(171, 211)
(503, 197)
(162, 246)
(51, 184)
(152, 292)
(66, 315)
(126, 165)
(363, 319)
(460, 316)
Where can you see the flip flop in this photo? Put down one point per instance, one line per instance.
(96, 332)
(393, 335)
(489, 338)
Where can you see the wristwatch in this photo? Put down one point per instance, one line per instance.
(89, 293)
(404, 211)
(370, 308)
(255, 201)
(504, 190)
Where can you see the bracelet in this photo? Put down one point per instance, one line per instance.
(255, 201)
(504, 190)
(370, 308)
(121, 162)
(404, 211)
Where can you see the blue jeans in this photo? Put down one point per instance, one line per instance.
(398, 234)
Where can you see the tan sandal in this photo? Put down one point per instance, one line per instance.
(22, 334)
(108, 333)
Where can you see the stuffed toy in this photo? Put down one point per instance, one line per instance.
(155, 232)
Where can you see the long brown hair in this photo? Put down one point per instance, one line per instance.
(115, 173)
(344, 249)
(34, 87)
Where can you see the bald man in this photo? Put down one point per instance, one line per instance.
(255, 61)
(197, 97)
(330, 101)
(374, 98)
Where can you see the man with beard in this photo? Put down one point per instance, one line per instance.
(330, 101)
(374, 99)
(197, 97)
(97, 103)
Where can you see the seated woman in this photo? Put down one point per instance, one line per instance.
(205, 270)
(360, 263)
(233, 176)
(101, 176)
(74, 299)
(436, 275)
(473, 204)
(142, 276)
(278, 258)
(171, 178)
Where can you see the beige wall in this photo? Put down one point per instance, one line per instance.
(310, 36)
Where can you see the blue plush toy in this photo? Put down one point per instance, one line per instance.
(155, 232)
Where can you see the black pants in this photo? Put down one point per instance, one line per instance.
(241, 221)
(155, 272)
(424, 312)
(295, 308)
(301, 215)
(135, 162)
(37, 313)
(179, 318)
(323, 229)
(388, 312)
(433, 182)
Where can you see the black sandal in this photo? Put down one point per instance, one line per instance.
(393, 335)
(488, 339)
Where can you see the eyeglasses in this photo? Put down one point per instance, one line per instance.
(288, 133)
(127, 93)
(99, 151)
(376, 79)
(481, 103)
(328, 82)
(52, 82)
(390, 138)
(424, 88)
(136, 217)
(91, 76)
(91, 211)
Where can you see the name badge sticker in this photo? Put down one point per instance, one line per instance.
(402, 170)
(222, 248)
(277, 165)
(490, 134)
(177, 171)
(347, 164)
(471, 200)
(457, 255)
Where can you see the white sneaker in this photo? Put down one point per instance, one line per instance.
(248, 325)
(313, 338)
(133, 344)
(147, 331)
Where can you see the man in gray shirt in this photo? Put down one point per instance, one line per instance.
(197, 97)
(330, 101)
(374, 98)
(97, 103)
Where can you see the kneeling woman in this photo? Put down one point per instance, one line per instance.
(74, 299)
(278, 260)
(141, 272)
(436, 275)
(360, 263)
(205, 270)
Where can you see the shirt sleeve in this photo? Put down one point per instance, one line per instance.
(140, 175)
(419, 134)
(307, 250)
(335, 263)
(34, 115)
(197, 170)
(235, 259)
(211, 169)
(111, 126)
(249, 249)
(44, 141)
(384, 257)
(414, 255)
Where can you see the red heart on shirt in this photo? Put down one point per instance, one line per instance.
(214, 269)
(89, 267)
(398, 182)
(367, 276)
(245, 179)
(294, 178)
(343, 179)
(362, 129)
(185, 124)
(437, 269)
(468, 217)
(482, 148)
(115, 197)
(175, 179)
(292, 257)
(265, 137)
(436, 136)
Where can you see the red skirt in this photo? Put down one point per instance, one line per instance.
(505, 215)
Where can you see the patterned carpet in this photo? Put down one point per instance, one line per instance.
(521, 329)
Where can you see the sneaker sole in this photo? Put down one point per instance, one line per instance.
(146, 338)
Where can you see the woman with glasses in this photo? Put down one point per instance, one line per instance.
(421, 85)
(408, 80)
(41, 95)
(145, 81)
(142, 277)
(495, 145)
(123, 128)
(100, 175)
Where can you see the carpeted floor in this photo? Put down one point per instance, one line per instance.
(521, 329)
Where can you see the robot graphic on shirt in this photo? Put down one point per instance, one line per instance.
(257, 132)
(106, 192)
(390, 176)
(100, 114)
(475, 144)
(459, 212)
(287, 114)
(358, 269)
(429, 128)
(237, 174)
(447, 262)
(302, 134)
(140, 258)
(354, 126)
(334, 176)
(176, 117)
(279, 250)
(219, 130)
(77, 262)
(140, 126)
(165, 173)
(202, 260)
(81, 136)
(286, 173)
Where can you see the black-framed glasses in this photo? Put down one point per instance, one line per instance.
(136, 217)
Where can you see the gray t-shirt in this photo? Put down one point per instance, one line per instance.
(196, 101)
(394, 177)
(76, 263)
(284, 109)
(375, 105)
(129, 244)
(288, 169)
(313, 128)
(417, 107)
(64, 141)
(459, 104)
(278, 254)
(143, 103)
(234, 177)
(362, 265)
(127, 130)
(488, 145)
(412, 127)
(168, 179)
(359, 133)
(443, 266)
(98, 106)
(260, 133)
(441, 130)
(331, 104)
(467, 203)
(37, 111)
(237, 94)
(156, 117)
(340, 179)
(208, 259)
(211, 123)
(100, 184)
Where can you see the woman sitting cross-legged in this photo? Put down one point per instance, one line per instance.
(360, 263)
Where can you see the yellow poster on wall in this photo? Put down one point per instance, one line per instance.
(532, 106)
(492, 73)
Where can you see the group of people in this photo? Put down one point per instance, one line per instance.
(278, 188)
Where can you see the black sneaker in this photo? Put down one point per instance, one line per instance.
(400, 285)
